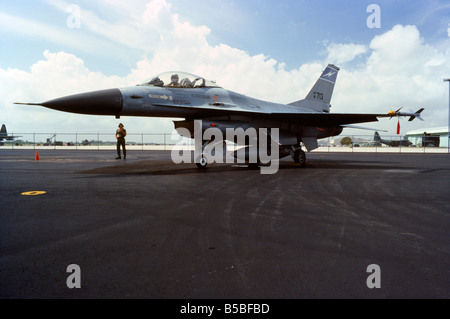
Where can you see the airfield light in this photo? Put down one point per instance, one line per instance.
(448, 128)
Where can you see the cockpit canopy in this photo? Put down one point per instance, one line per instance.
(179, 80)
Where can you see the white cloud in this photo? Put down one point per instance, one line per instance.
(157, 13)
(401, 70)
(341, 53)
(58, 74)
(398, 50)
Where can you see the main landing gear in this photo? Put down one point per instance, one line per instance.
(298, 155)
(296, 152)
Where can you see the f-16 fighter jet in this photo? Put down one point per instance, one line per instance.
(191, 98)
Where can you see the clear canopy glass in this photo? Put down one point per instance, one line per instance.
(179, 80)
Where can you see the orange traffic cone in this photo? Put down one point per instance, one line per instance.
(37, 156)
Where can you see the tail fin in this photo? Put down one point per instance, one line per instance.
(319, 97)
(376, 137)
(323, 89)
(3, 131)
(417, 114)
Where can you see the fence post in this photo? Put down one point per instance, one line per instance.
(423, 143)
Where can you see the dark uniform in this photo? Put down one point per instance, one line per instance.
(120, 136)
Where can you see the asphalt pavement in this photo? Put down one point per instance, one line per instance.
(361, 225)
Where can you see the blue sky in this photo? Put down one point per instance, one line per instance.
(121, 43)
(293, 32)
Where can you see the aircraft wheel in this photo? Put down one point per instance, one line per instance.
(300, 157)
(253, 165)
(202, 163)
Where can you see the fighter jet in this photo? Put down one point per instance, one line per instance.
(4, 135)
(190, 97)
(393, 143)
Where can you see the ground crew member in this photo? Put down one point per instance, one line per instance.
(120, 136)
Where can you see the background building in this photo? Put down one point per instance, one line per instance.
(432, 137)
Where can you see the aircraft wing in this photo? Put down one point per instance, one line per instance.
(309, 119)
(325, 119)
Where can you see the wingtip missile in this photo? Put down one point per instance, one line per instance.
(411, 115)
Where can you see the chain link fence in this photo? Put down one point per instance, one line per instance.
(166, 141)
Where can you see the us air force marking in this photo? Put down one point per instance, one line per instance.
(163, 97)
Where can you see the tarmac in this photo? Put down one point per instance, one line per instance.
(147, 228)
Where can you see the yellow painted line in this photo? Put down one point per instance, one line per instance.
(33, 193)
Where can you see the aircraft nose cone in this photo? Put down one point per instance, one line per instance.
(104, 102)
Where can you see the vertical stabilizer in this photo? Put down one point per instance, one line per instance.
(3, 131)
(376, 137)
(323, 89)
(319, 98)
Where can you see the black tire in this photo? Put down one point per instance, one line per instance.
(253, 165)
(203, 163)
(300, 157)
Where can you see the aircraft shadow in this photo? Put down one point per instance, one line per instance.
(151, 167)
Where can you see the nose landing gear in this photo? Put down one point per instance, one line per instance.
(202, 163)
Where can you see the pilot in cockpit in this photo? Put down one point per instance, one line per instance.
(186, 83)
(156, 82)
(174, 81)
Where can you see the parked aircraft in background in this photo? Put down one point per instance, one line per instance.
(4, 135)
(393, 143)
